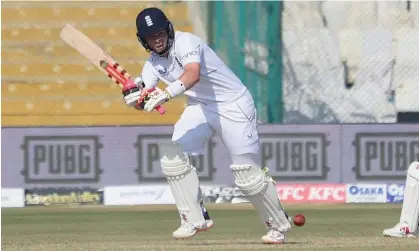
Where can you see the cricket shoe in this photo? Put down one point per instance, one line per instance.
(188, 230)
(275, 236)
(399, 231)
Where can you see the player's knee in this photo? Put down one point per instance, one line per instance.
(173, 160)
(245, 159)
(413, 170)
(251, 180)
(190, 146)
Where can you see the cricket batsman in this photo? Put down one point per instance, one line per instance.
(218, 102)
(408, 224)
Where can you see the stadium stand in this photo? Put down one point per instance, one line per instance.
(350, 62)
(344, 62)
(47, 83)
(406, 73)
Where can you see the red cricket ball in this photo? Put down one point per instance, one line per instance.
(299, 220)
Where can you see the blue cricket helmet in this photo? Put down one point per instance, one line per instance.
(153, 20)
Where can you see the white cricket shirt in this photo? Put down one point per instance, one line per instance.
(217, 82)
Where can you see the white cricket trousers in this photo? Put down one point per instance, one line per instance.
(235, 122)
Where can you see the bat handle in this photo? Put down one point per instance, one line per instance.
(160, 109)
(130, 84)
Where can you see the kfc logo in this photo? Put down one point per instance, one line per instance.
(333, 193)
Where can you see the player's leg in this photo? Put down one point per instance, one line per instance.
(238, 129)
(259, 188)
(190, 135)
(408, 225)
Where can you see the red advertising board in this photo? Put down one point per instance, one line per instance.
(314, 193)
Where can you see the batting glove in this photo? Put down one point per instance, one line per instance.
(156, 98)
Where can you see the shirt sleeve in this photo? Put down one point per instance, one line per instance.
(189, 49)
(149, 77)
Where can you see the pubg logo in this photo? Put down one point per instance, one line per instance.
(149, 170)
(61, 159)
(295, 156)
(385, 155)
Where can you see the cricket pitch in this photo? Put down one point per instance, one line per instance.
(237, 227)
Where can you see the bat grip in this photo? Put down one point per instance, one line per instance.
(130, 84)
(160, 109)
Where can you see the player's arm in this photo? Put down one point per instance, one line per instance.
(148, 77)
(189, 50)
(191, 75)
(191, 59)
(186, 81)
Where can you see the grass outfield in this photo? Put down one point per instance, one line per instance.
(94, 228)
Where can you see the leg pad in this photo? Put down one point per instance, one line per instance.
(260, 190)
(410, 210)
(183, 181)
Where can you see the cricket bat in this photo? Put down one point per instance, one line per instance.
(104, 62)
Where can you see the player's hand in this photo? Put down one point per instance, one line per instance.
(155, 98)
(134, 95)
(143, 98)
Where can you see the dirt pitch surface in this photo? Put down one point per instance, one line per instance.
(237, 227)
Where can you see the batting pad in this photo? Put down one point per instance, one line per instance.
(410, 210)
(260, 190)
(183, 181)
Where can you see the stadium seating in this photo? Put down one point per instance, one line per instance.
(393, 15)
(414, 12)
(327, 44)
(376, 43)
(376, 56)
(46, 82)
(406, 73)
(350, 45)
(89, 12)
